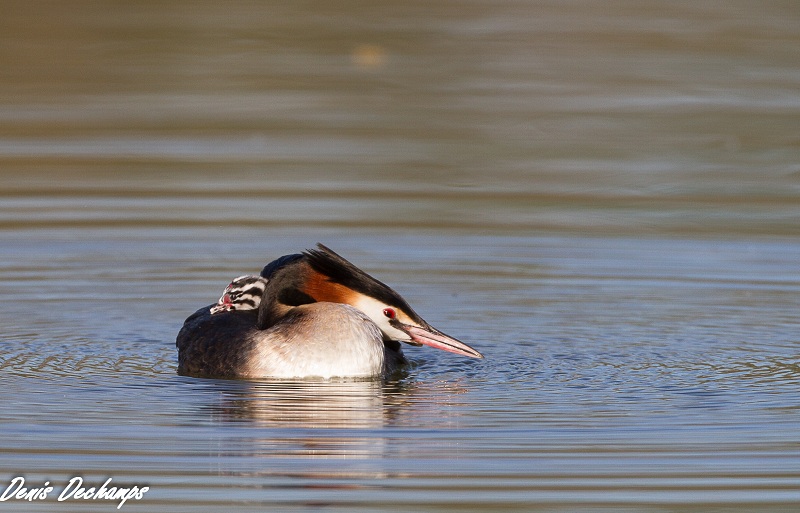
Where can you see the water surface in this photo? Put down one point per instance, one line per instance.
(602, 201)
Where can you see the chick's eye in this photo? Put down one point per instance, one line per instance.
(389, 313)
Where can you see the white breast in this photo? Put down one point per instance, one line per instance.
(321, 340)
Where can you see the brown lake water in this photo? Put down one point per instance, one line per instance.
(604, 199)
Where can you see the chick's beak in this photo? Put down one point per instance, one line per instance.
(430, 336)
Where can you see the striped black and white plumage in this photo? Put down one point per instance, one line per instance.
(243, 293)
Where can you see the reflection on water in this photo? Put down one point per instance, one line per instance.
(604, 201)
(345, 404)
(321, 417)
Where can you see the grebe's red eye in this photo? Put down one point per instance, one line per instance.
(388, 312)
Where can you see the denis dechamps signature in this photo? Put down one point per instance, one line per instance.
(73, 490)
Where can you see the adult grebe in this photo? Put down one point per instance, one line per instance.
(318, 316)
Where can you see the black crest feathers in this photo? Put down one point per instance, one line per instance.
(273, 266)
(338, 270)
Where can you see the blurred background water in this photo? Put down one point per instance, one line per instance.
(604, 199)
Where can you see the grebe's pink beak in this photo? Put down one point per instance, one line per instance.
(430, 336)
(223, 305)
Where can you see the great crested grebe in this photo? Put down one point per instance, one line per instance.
(312, 314)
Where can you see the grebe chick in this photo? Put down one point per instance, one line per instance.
(243, 293)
